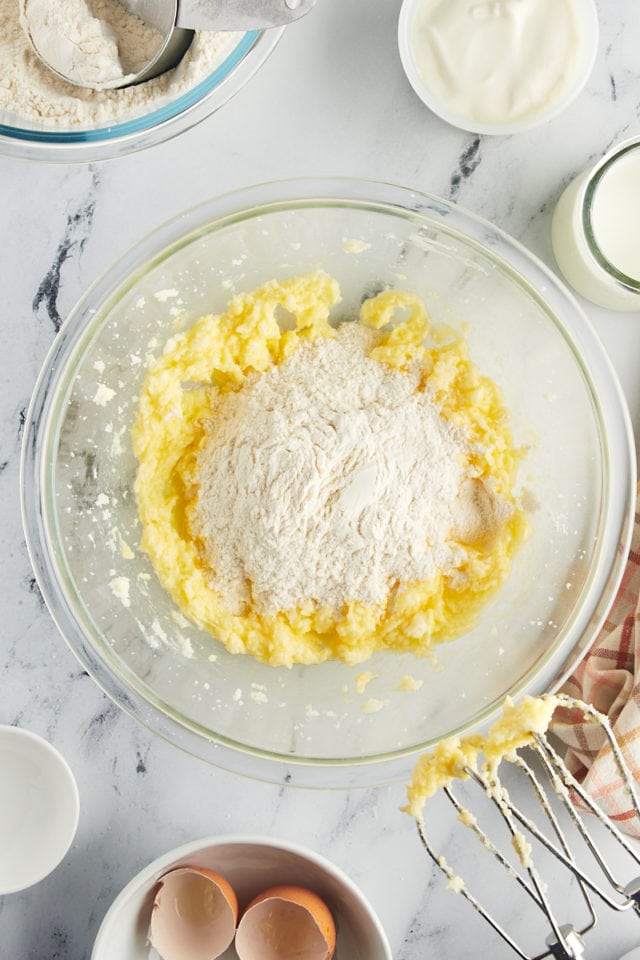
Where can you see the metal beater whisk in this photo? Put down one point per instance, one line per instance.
(565, 942)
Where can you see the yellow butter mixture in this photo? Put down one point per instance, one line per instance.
(217, 361)
(450, 760)
(459, 758)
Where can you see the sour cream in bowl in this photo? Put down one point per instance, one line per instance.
(497, 66)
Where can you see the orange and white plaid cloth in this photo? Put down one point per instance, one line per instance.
(608, 678)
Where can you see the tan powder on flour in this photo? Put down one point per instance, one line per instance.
(30, 93)
(331, 478)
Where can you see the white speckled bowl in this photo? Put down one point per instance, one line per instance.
(309, 725)
(146, 126)
(251, 865)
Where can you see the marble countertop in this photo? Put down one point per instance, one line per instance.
(332, 100)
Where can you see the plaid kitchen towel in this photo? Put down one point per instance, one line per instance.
(608, 678)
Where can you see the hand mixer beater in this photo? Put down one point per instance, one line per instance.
(556, 833)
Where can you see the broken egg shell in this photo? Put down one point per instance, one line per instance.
(194, 915)
(286, 922)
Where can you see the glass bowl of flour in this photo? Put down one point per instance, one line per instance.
(43, 117)
(330, 723)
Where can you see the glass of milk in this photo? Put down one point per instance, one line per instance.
(595, 230)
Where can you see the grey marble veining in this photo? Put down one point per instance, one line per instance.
(332, 100)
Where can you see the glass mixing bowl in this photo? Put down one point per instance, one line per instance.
(147, 125)
(310, 725)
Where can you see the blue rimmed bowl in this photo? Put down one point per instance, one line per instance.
(139, 128)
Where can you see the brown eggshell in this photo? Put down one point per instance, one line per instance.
(286, 922)
(194, 915)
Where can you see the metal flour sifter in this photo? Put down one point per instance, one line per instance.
(174, 23)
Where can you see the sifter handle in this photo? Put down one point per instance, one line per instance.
(239, 14)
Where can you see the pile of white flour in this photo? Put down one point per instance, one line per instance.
(331, 478)
(30, 93)
(92, 42)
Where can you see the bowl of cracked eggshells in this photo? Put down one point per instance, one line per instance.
(319, 472)
(68, 90)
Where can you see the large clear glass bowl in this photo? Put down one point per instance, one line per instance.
(309, 725)
(148, 126)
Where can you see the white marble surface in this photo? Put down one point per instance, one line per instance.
(331, 100)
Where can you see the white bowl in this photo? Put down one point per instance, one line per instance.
(589, 28)
(39, 809)
(251, 865)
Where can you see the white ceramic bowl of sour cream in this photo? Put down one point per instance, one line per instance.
(39, 808)
(498, 66)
